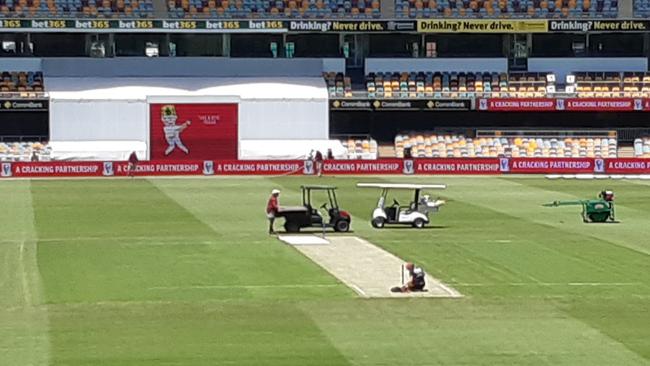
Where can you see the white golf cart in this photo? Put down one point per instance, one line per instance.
(415, 214)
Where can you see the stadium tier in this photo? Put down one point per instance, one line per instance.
(21, 82)
(612, 84)
(24, 151)
(429, 84)
(361, 148)
(459, 146)
(443, 85)
(272, 9)
(642, 147)
(642, 8)
(77, 8)
(492, 85)
(338, 85)
(506, 8)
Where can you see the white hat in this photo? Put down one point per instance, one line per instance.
(275, 191)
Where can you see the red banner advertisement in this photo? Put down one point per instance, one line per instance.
(158, 168)
(52, 169)
(563, 104)
(627, 166)
(554, 165)
(383, 166)
(459, 166)
(467, 166)
(600, 104)
(193, 131)
(517, 104)
(249, 167)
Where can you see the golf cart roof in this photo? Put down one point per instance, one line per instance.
(317, 187)
(401, 186)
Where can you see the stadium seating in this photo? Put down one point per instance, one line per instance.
(77, 8)
(25, 83)
(457, 146)
(642, 147)
(22, 151)
(612, 84)
(642, 8)
(338, 85)
(361, 148)
(274, 8)
(455, 85)
(506, 8)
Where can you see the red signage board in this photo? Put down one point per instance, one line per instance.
(53, 169)
(193, 131)
(627, 166)
(250, 167)
(468, 166)
(157, 168)
(552, 165)
(563, 104)
(600, 104)
(458, 166)
(359, 167)
(517, 104)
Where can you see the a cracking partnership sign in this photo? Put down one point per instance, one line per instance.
(442, 166)
(563, 104)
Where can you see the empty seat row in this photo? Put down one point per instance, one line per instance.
(642, 8)
(361, 148)
(459, 146)
(77, 8)
(338, 85)
(642, 147)
(273, 8)
(455, 85)
(506, 8)
(611, 84)
(24, 151)
(22, 82)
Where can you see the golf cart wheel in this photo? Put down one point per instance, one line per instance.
(291, 227)
(342, 226)
(599, 217)
(418, 223)
(378, 222)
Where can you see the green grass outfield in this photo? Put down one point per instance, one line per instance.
(181, 272)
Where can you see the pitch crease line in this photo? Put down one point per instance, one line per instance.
(548, 284)
(238, 286)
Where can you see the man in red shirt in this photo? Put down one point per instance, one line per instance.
(133, 161)
(272, 208)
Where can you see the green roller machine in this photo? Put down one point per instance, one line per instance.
(595, 210)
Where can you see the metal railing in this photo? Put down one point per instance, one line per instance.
(23, 95)
(24, 138)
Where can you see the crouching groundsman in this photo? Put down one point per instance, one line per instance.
(272, 208)
(416, 280)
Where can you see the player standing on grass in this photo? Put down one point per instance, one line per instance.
(272, 207)
(133, 162)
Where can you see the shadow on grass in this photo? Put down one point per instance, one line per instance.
(409, 227)
(315, 232)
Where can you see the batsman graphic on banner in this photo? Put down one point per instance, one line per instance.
(193, 131)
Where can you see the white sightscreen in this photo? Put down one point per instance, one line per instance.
(284, 119)
(98, 120)
(288, 149)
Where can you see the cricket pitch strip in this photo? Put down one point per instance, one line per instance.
(367, 269)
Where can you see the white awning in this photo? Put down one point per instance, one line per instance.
(128, 88)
